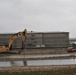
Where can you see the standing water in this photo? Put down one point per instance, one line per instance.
(44, 62)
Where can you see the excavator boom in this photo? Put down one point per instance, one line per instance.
(11, 40)
(23, 34)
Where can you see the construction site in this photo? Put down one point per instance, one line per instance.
(35, 51)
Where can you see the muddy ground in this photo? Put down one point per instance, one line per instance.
(38, 52)
(36, 68)
(43, 51)
(35, 52)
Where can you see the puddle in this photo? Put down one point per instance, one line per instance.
(43, 62)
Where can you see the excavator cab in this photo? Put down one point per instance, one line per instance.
(3, 49)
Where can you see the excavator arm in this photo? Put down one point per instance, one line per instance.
(23, 34)
(12, 39)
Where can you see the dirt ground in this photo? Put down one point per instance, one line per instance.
(43, 51)
(36, 68)
(39, 52)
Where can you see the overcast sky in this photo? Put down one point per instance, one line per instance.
(38, 15)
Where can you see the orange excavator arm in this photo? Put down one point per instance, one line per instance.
(23, 34)
(12, 39)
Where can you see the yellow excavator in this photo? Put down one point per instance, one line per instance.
(7, 49)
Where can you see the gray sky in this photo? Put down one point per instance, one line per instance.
(38, 15)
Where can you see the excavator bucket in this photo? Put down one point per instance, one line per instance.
(3, 49)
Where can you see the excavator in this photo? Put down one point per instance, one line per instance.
(4, 49)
